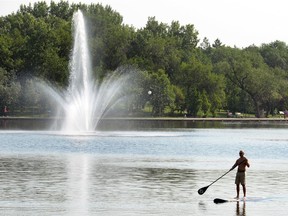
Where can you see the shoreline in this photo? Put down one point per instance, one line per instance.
(137, 123)
(159, 119)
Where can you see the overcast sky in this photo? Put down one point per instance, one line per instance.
(234, 22)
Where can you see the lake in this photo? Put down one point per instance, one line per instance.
(143, 172)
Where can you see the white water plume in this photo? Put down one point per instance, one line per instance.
(86, 99)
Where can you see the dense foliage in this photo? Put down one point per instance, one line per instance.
(181, 74)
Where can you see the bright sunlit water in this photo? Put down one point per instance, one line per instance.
(141, 173)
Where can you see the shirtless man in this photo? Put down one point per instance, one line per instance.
(242, 162)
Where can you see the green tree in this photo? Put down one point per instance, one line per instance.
(178, 105)
(9, 90)
(161, 92)
(246, 70)
(61, 10)
(205, 104)
(195, 78)
(275, 54)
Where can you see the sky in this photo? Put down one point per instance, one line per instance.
(239, 23)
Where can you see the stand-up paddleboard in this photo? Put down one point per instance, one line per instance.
(248, 199)
(219, 200)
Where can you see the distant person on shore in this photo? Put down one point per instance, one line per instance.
(5, 111)
(285, 114)
(242, 162)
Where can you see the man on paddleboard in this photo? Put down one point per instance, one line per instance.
(242, 162)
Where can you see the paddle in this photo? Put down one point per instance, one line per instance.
(202, 190)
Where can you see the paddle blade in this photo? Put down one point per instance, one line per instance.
(202, 190)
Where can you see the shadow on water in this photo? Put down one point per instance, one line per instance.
(202, 206)
(26, 182)
(116, 124)
(28, 124)
(140, 180)
(88, 185)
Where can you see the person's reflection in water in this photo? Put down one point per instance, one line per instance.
(3, 124)
(238, 209)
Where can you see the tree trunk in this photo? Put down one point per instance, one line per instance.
(257, 108)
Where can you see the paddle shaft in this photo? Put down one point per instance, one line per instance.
(202, 190)
(219, 178)
(224, 174)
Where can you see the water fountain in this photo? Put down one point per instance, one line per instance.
(86, 100)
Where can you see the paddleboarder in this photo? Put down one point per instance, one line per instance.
(240, 178)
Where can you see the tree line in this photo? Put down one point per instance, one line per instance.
(182, 74)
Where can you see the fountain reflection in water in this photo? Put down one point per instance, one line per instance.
(86, 100)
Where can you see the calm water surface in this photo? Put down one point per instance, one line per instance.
(141, 173)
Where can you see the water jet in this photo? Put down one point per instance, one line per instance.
(86, 100)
